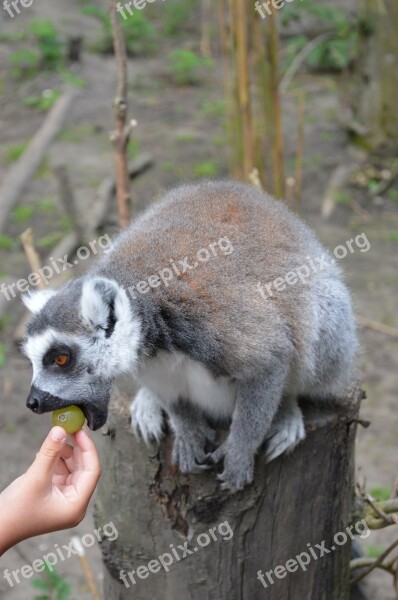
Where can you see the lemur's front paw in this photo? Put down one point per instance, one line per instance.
(189, 451)
(285, 434)
(188, 456)
(147, 417)
(238, 466)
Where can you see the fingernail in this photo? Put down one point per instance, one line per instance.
(58, 434)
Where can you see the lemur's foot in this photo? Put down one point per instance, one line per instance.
(189, 451)
(238, 466)
(147, 417)
(287, 431)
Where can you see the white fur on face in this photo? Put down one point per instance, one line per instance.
(35, 301)
(108, 357)
(36, 347)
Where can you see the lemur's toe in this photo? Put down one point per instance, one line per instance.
(285, 438)
(218, 455)
(189, 454)
(234, 482)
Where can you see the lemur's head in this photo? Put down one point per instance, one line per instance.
(79, 339)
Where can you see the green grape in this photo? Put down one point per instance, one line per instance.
(70, 418)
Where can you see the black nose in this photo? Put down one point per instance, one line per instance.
(33, 404)
(33, 401)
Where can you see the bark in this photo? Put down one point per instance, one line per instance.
(296, 500)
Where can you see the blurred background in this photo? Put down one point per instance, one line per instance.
(301, 102)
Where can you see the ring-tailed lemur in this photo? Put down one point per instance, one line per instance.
(202, 341)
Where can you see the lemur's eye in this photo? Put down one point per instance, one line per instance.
(61, 360)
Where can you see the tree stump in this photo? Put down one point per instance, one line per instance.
(295, 502)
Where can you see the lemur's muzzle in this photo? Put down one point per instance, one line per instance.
(41, 402)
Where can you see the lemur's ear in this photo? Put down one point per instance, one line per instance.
(99, 297)
(34, 301)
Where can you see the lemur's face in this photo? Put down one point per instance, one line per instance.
(78, 341)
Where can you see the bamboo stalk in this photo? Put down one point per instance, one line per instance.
(225, 38)
(237, 123)
(261, 109)
(290, 191)
(251, 84)
(299, 151)
(243, 83)
(275, 123)
(205, 45)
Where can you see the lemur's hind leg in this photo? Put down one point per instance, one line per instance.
(287, 429)
(192, 432)
(147, 417)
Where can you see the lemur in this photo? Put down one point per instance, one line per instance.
(203, 343)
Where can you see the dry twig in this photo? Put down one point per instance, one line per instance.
(376, 326)
(31, 256)
(301, 58)
(254, 178)
(86, 568)
(389, 519)
(375, 564)
(277, 145)
(120, 137)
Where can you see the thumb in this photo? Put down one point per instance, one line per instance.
(48, 455)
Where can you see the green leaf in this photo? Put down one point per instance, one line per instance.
(44, 102)
(133, 149)
(6, 242)
(71, 78)
(2, 355)
(46, 205)
(205, 169)
(50, 240)
(186, 67)
(63, 590)
(13, 152)
(98, 13)
(20, 214)
(373, 551)
(175, 15)
(381, 493)
(40, 584)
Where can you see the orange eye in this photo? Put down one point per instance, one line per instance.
(61, 360)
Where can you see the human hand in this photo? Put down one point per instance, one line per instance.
(54, 492)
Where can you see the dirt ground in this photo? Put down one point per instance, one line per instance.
(183, 128)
